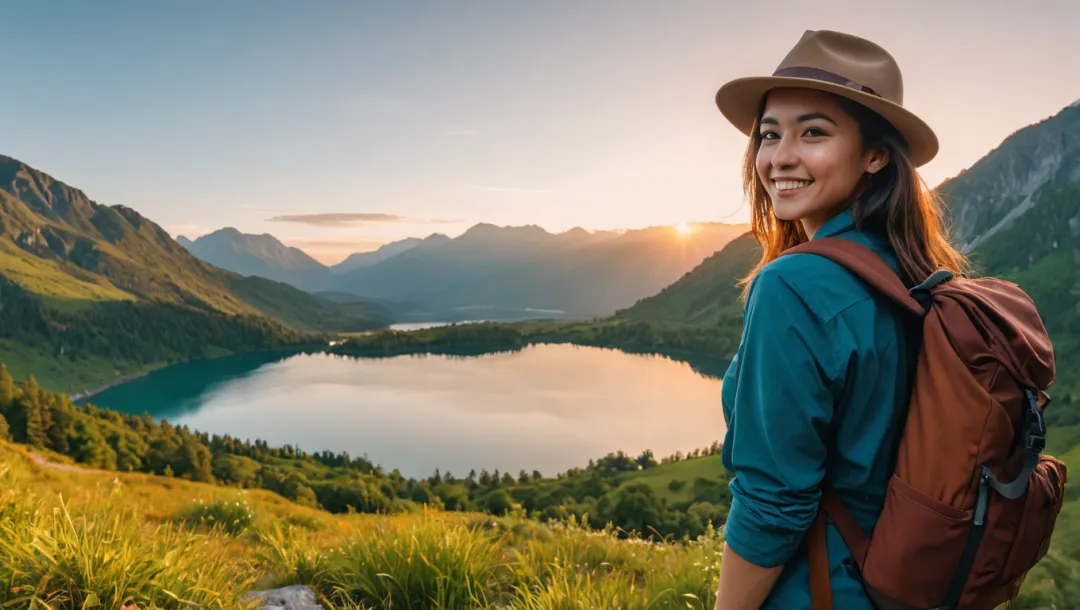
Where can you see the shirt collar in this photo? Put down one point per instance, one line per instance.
(842, 222)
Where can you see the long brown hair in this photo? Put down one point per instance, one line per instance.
(896, 204)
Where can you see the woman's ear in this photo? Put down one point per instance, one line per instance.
(879, 158)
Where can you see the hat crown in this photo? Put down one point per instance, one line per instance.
(841, 64)
(859, 61)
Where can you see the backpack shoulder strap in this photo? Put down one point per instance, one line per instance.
(867, 265)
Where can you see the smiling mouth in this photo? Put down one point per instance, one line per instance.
(791, 185)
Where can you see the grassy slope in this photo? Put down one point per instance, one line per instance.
(55, 281)
(308, 312)
(145, 534)
(26, 358)
(659, 477)
(139, 533)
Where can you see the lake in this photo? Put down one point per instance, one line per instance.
(544, 407)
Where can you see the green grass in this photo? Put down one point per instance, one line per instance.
(72, 537)
(60, 373)
(105, 555)
(47, 279)
(659, 477)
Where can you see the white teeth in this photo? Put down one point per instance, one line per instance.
(787, 185)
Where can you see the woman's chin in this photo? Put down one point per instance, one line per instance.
(789, 211)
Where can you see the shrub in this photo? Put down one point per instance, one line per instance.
(233, 517)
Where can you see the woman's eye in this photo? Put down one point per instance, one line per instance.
(768, 135)
(814, 132)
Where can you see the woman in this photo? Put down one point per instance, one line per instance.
(818, 388)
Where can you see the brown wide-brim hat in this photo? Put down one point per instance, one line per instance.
(838, 63)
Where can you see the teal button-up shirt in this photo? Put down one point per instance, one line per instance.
(817, 391)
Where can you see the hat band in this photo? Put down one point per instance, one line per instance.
(824, 75)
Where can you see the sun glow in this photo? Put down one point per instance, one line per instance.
(684, 229)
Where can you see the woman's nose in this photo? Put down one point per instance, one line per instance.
(784, 155)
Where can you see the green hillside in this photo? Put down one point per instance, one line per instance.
(89, 292)
(309, 312)
(707, 295)
(74, 538)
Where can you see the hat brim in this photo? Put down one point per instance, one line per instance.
(740, 99)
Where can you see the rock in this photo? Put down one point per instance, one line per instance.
(295, 597)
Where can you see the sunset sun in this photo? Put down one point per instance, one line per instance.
(684, 229)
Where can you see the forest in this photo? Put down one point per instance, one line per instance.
(133, 332)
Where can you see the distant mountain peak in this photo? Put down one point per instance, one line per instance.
(1075, 104)
(262, 255)
(480, 228)
(488, 229)
(223, 232)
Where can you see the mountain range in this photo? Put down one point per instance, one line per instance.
(267, 257)
(489, 271)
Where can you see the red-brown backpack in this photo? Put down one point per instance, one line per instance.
(972, 501)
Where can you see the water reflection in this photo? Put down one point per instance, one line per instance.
(542, 407)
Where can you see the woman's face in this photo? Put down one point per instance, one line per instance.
(811, 159)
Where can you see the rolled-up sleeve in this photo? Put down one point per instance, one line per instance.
(786, 381)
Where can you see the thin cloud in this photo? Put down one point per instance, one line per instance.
(337, 219)
(346, 219)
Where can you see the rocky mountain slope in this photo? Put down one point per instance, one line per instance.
(261, 255)
(1002, 186)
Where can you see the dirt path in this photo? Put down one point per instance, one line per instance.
(40, 461)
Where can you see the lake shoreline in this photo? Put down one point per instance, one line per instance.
(507, 411)
(383, 348)
(78, 396)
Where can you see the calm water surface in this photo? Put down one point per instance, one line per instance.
(545, 407)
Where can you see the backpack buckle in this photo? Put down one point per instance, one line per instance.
(921, 293)
(1036, 428)
(1036, 443)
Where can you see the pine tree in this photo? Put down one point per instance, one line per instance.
(7, 389)
(60, 411)
(91, 448)
(38, 421)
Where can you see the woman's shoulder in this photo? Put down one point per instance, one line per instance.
(823, 286)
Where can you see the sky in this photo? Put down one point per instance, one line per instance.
(338, 126)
